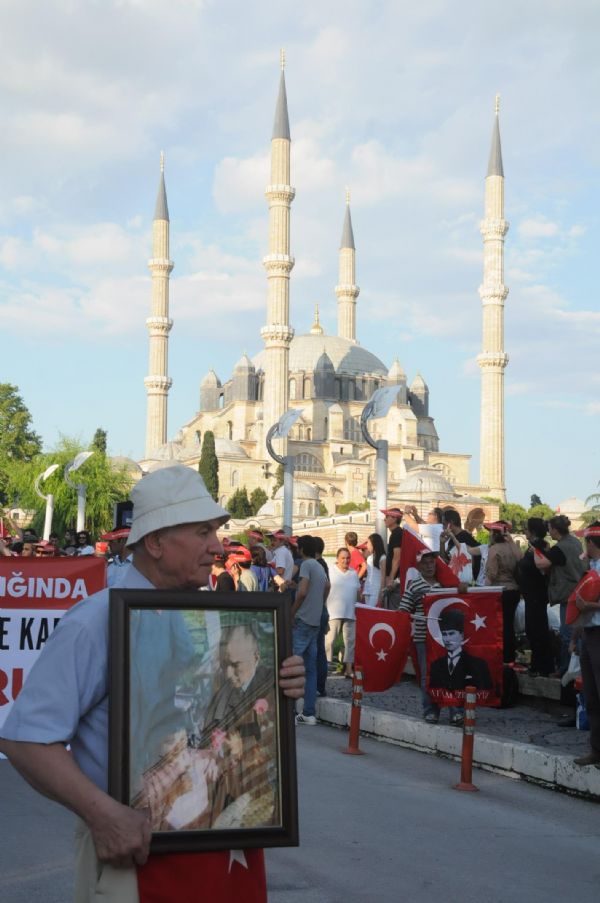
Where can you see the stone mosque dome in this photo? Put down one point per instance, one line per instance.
(396, 371)
(211, 379)
(244, 363)
(224, 447)
(346, 356)
(418, 383)
(426, 480)
(301, 491)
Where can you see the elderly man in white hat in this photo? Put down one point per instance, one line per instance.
(65, 698)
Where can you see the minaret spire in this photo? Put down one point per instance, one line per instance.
(493, 293)
(159, 325)
(347, 291)
(277, 333)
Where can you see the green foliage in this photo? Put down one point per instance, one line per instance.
(239, 504)
(105, 486)
(349, 507)
(516, 514)
(278, 480)
(18, 441)
(491, 499)
(99, 441)
(483, 536)
(543, 511)
(535, 500)
(323, 512)
(208, 466)
(258, 497)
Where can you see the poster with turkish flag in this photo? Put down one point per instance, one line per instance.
(464, 646)
(382, 644)
(190, 877)
(34, 594)
(589, 590)
(411, 544)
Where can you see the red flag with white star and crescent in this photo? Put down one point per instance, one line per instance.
(220, 877)
(411, 544)
(382, 645)
(464, 646)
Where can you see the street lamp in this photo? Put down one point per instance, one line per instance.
(378, 406)
(420, 484)
(49, 499)
(71, 467)
(280, 430)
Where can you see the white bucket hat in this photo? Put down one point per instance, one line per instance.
(169, 497)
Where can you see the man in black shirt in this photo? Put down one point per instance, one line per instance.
(393, 516)
(453, 524)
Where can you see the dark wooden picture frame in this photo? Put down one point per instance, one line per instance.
(199, 732)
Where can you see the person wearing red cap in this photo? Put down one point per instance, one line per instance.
(120, 557)
(588, 628)
(393, 516)
(239, 565)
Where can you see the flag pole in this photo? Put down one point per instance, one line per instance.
(466, 760)
(357, 692)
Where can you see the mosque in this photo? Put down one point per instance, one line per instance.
(329, 377)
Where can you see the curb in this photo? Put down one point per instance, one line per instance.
(517, 760)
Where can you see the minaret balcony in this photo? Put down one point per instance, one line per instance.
(347, 289)
(493, 228)
(158, 384)
(283, 193)
(492, 359)
(159, 326)
(493, 293)
(277, 334)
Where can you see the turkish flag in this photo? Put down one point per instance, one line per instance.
(218, 877)
(382, 645)
(464, 646)
(411, 544)
(589, 590)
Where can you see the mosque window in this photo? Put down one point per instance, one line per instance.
(235, 478)
(308, 463)
(306, 388)
(338, 388)
(351, 390)
(229, 429)
(302, 509)
(198, 437)
(292, 388)
(308, 433)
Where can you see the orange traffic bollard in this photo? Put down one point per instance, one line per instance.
(357, 691)
(466, 760)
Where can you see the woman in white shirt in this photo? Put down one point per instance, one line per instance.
(375, 579)
(341, 603)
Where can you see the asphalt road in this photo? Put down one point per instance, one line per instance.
(386, 826)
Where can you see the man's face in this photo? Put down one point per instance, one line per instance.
(117, 548)
(241, 658)
(432, 518)
(343, 561)
(452, 639)
(426, 566)
(450, 528)
(28, 550)
(187, 555)
(592, 551)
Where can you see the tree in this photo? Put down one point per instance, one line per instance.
(516, 514)
(239, 504)
(323, 512)
(208, 466)
(278, 480)
(18, 441)
(535, 500)
(99, 441)
(543, 511)
(349, 507)
(106, 485)
(258, 497)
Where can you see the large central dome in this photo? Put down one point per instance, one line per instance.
(346, 356)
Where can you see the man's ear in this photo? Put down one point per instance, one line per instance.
(153, 544)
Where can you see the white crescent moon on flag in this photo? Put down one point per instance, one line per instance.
(436, 609)
(382, 626)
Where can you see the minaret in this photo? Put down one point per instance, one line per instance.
(159, 325)
(278, 263)
(347, 291)
(493, 292)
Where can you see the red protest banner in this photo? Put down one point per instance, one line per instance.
(411, 544)
(224, 876)
(34, 594)
(382, 645)
(464, 646)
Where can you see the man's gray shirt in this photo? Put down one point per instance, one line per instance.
(312, 607)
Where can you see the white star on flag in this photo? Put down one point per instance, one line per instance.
(381, 655)
(478, 621)
(237, 856)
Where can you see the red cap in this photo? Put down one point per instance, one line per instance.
(241, 553)
(500, 526)
(362, 547)
(121, 533)
(255, 534)
(392, 512)
(591, 531)
(423, 553)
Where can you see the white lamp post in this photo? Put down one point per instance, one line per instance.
(280, 430)
(378, 406)
(71, 467)
(49, 499)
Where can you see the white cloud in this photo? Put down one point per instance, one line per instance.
(537, 228)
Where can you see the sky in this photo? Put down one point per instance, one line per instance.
(394, 100)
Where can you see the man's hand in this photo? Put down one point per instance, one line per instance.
(121, 835)
(291, 677)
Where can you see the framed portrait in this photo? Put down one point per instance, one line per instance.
(200, 735)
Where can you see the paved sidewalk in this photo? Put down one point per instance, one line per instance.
(523, 741)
